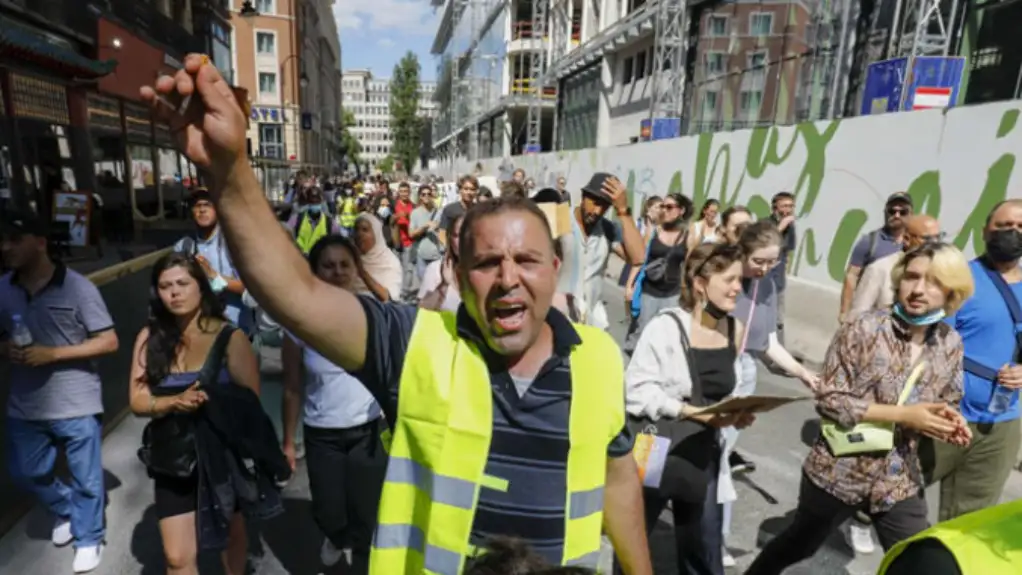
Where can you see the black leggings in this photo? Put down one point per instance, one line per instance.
(816, 517)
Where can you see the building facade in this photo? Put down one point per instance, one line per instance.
(70, 111)
(368, 99)
(287, 55)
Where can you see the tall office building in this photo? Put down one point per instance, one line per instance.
(368, 98)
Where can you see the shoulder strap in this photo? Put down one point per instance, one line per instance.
(1009, 300)
(215, 359)
(693, 372)
(913, 377)
(874, 237)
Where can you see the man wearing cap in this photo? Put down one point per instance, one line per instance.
(592, 240)
(53, 325)
(209, 247)
(875, 245)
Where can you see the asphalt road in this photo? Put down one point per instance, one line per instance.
(290, 543)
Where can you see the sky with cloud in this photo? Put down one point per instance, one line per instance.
(375, 34)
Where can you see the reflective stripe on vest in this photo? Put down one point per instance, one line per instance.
(307, 235)
(349, 212)
(441, 442)
(983, 542)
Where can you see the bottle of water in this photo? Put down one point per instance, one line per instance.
(1000, 401)
(21, 337)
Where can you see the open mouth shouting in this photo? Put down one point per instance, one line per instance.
(508, 315)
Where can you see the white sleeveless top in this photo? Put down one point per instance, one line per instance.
(710, 238)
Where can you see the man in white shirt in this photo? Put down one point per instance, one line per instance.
(874, 290)
(587, 249)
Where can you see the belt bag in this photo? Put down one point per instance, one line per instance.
(866, 437)
(168, 442)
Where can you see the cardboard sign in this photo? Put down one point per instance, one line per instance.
(749, 404)
(558, 216)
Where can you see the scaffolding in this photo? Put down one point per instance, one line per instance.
(924, 30)
(537, 74)
(669, 46)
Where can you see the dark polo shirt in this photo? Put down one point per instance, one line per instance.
(530, 442)
(66, 312)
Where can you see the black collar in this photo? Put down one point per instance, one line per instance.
(565, 335)
(56, 280)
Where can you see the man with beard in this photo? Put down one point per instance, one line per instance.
(972, 478)
(550, 463)
(587, 249)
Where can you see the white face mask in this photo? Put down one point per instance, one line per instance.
(383, 212)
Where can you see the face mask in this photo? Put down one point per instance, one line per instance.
(918, 320)
(314, 209)
(713, 311)
(1004, 245)
(383, 212)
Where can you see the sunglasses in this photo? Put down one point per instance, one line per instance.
(898, 211)
(670, 207)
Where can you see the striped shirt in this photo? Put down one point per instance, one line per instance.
(530, 442)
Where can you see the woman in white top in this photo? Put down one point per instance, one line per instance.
(665, 382)
(704, 229)
(342, 426)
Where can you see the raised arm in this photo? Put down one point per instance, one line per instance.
(211, 133)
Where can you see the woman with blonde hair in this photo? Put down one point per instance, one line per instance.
(898, 370)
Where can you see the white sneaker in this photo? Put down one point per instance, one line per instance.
(87, 558)
(729, 560)
(330, 555)
(61, 535)
(860, 538)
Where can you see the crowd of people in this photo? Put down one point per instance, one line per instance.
(460, 407)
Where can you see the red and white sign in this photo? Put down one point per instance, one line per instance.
(926, 98)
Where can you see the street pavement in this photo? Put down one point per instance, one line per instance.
(289, 544)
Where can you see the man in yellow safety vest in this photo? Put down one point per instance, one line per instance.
(348, 211)
(311, 220)
(986, 542)
(507, 419)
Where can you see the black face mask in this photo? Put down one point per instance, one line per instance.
(713, 311)
(1004, 245)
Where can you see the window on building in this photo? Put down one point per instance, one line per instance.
(267, 83)
(640, 65)
(761, 24)
(710, 102)
(266, 43)
(714, 63)
(716, 25)
(626, 72)
(271, 141)
(750, 102)
(265, 6)
(757, 61)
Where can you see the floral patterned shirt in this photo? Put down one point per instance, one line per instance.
(868, 362)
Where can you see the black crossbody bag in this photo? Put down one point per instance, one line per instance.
(694, 447)
(168, 442)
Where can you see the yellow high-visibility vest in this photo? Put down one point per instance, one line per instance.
(307, 236)
(441, 441)
(349, 212)
(984, 542)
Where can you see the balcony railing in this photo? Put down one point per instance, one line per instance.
(522, 30)
(524, 86)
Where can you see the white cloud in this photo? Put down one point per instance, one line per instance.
(385, 42)
(389, 16)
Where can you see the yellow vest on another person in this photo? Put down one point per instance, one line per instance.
(349, 212)
(307, 235)
(441, 442)
(985, 542)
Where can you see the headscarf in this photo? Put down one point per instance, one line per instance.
(380, 263)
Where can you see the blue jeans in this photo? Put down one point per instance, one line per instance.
(32, 451)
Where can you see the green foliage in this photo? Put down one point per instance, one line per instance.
(348, 140)
(405, 123)
(386, 165)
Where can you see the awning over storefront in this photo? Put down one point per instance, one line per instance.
(24, 42)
